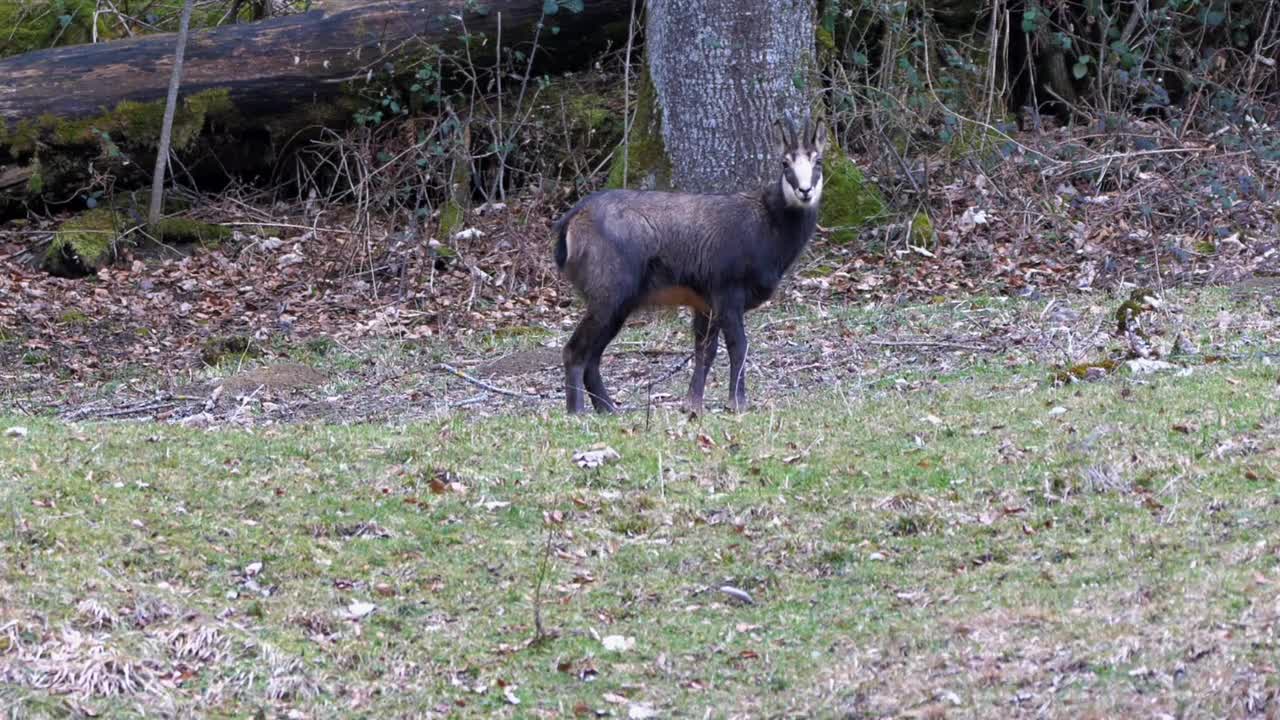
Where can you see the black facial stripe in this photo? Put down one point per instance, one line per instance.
(789, 174)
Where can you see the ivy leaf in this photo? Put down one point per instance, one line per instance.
(550, 7)
(573, 6)
(1080, 70)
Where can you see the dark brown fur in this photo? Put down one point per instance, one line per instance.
(718, 254)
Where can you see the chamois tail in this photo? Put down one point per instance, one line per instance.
(561, 230)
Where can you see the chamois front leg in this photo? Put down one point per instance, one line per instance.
(735, 341)
(706, 341)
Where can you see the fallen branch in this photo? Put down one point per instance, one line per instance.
(482, 384)
(94, 410)
(943, 344)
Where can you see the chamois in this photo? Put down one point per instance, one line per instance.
(718, 254)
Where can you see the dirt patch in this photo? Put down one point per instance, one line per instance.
(522, 362)
(283, 377)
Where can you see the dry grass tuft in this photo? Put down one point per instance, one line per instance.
(95, 615)
(84, 665)
(197, 643)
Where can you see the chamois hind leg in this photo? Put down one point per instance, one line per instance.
(582, 357)
(600, 399)
(577, 354)
(706, 341)
(735, 341)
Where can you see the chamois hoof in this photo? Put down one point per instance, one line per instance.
(739, 406)
(692, 406)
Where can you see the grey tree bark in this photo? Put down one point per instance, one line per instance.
(723, 71)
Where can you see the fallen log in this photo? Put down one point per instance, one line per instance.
(70, 116)
(272, 65)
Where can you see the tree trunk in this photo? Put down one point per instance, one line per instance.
(724, 71)
(166, 125)
(270, 66)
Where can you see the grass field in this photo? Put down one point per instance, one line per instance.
(938, 540)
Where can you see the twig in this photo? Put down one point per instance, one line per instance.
(26, 249)
(932, 343)
(463, 403)
(539, 633)
(480, 383)
(273, 224)
(648, 404)
(85, 412)
(626, 96)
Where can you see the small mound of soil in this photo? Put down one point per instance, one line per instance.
(523, 362)
(273, 378)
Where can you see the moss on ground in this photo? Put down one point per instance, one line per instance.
(87, 242)
(922, 232)
(186, 230)
(84, 244)
(73, 317)
(218, 349)
(848, 200)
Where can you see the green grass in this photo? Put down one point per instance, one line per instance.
(974, 541)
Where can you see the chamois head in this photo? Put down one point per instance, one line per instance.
(801, 152)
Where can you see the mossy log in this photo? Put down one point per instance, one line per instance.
(247, 89)
(271, 65)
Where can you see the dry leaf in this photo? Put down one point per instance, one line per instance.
(591, 459)
(740, 595)
(618, 643)
(358, 610)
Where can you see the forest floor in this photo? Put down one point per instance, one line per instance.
(916, 519)
(304, 474)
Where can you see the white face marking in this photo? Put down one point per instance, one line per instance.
(802, 167)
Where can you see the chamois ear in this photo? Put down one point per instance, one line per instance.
(819, 142)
